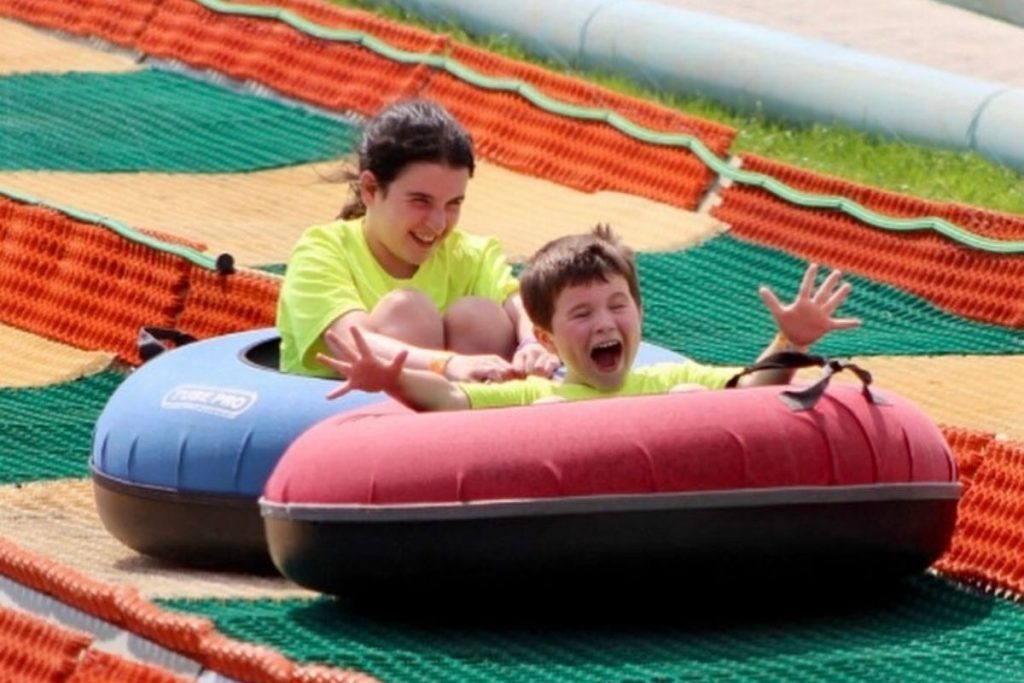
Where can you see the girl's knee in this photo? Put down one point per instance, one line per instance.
(410, 316)
(478, 325)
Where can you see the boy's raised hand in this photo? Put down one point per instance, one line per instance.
(809, 317)
(360, 367)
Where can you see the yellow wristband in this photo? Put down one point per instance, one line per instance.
(783, 341)
(439, 362)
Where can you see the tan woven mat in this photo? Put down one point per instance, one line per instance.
(982, 392)
(24, 49)
(58, 519)
(257, 217)
(30, 361)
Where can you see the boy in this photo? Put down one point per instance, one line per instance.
(582, 294)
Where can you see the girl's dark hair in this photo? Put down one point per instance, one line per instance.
(405, 133)
(574, 260)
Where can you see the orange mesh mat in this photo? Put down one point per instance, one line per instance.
(80, 284)
(87, 286)
(102, 667)
(193, 637)
(975, 284)
(339, 76)
(989, 534)
(219, 304)
(117, 21)
(35, 651)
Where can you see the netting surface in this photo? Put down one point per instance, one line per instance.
(47, 433)
(102, 667)
(927, 630)
(703, 302)
(155, 121)
(34, 651)
(980, 285)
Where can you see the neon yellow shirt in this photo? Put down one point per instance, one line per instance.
(332, 271)
(653, 379)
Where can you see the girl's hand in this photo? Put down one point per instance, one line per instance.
(809, 317)
(479, 368)
(531, 358)
(361, 369)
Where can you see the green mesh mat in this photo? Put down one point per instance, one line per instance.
(703, 302)
(47, 433)
(275, 268)
(155, 121)
(927, 630)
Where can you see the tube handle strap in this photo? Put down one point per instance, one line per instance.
(807, 397)
(153, 341)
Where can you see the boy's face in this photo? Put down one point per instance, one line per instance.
(595, 330)
(407, 222)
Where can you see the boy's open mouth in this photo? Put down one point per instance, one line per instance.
(606, 355)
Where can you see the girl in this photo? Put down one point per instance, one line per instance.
(396, 267)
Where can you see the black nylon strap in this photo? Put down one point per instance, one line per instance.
(153, 341)
(808, 397)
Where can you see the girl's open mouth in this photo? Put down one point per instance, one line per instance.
(424, 241)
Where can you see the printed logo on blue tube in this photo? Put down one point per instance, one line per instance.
(219, 401)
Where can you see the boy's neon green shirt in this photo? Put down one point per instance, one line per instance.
(332, 271)
(653, 379)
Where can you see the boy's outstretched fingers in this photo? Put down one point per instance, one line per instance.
(809, 317)
(341, 368)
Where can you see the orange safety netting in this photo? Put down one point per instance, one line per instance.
(980, 285)
(219, 304)
(339, 76)
(194, 637)
(117, 21)
(102, 667)
(987, 548)
(80, 283)
(586, 155)
(35, 651)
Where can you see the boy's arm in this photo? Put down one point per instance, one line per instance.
(461, 367)
(803, 322)
(365, 371)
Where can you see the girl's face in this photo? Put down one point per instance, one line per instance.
(405, 223)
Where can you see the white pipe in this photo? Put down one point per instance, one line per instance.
(754, 69)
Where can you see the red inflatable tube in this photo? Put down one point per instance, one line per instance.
(705, 483)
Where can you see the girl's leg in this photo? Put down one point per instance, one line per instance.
(475, 325)
(409, 316)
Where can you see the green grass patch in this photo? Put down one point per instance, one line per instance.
(908, 168)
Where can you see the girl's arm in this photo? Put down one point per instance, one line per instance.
(530, 358)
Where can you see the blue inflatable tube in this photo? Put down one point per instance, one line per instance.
(755, 69)
(183, 448)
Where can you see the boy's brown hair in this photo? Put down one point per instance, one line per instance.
(574, 260)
